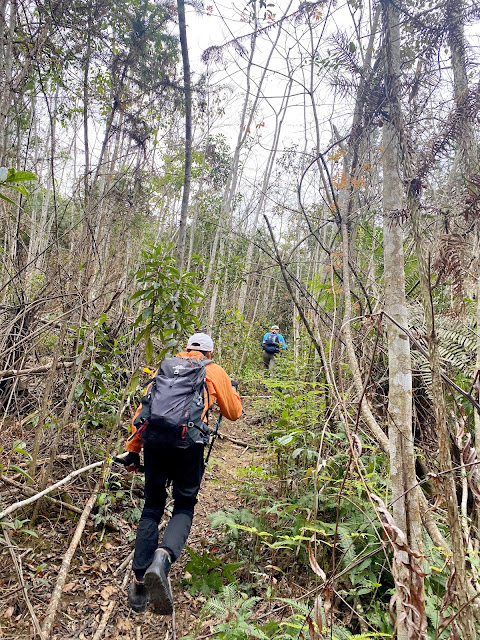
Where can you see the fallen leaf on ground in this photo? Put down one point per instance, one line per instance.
(124, 624)
(108, 591)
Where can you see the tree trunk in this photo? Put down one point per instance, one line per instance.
(182, 232)
(263, 190)
(464, 606)
(6, 70)
(400, 433)
(464, 164)
(243, 132)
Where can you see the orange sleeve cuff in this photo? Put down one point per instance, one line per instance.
(134, 443)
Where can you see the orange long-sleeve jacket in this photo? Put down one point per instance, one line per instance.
(219, 389)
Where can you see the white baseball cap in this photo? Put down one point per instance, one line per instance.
(200, 342)
(275, 328)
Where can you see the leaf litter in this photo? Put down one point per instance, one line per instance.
(93, 589)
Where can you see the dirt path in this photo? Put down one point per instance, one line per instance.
(95, 593)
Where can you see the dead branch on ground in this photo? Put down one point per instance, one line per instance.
(37, 496)
(62, 574)
(18, 568)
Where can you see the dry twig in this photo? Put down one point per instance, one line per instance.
(110, 609)
(15, 373)
(18, 568)
(62, 574)
(28, 491)
(37, 496)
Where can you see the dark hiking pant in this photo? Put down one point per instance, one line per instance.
(268, 359)
(184, 468)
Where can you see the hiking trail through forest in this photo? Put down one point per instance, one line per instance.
(94, 599)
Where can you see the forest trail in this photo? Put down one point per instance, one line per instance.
(94, 601)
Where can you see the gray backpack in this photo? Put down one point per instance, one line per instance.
(173, 407)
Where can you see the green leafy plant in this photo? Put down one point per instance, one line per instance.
(16, 527)
(208, 573)
(167, 301)
(20, 448)
(104, 375)
(235, 610)
(11, 179)
(115, 500)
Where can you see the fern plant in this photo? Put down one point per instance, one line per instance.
(234, 609)
(457, 347)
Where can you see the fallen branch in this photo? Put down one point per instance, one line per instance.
(15, 373)
(110, 609)
(37, 496)
(18, 568)
(125, 563)
(63, 573)
(28, 491)
(241, 443)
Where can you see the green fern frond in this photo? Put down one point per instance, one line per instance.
(457, 345)
(215, 607)
(346, 546)
(231, 597)
(297, 605)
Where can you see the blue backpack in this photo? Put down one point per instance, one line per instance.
(271, 344)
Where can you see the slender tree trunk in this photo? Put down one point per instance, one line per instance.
(86, 175)
(196, 209)
(464, 607)
(249, 107)
(6, 70)
(466, 151)
(182, 232)
(42, 414)
(263, 190)
(465, 156)
(465, 616)
(400, 432)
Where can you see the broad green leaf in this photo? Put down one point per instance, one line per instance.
(20, 448)
(13, 467)
(21, 176)
(2, 197)
(133, 384)
(149, 350)
(20, 188)
(79, 389)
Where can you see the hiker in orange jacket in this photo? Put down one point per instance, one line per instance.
(183, 467)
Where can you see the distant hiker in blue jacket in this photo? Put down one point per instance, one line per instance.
(273, 342)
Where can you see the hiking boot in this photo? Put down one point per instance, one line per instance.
(158, 587)
(137, 596)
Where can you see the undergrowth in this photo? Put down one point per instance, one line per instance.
(306, 503)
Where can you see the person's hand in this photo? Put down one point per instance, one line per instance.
(131, 461)
(234, 384)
